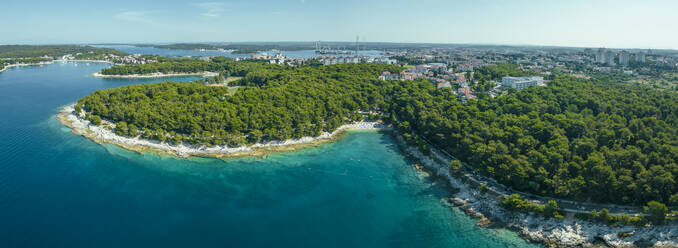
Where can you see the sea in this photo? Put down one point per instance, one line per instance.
(181, 53)
(58, 189)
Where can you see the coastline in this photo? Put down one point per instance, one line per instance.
(157, 75)
(29, 64)
(56, 60)
(102, 135)
(568, 232)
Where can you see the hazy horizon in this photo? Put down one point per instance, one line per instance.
(350, 42)
(607, 23)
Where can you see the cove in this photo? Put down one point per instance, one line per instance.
(58, 189)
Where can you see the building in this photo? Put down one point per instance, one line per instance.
(465, 67)
(388, 76)
(520, 83)
(624, 58)
(444, 85)
(640, 57)
(609, 58)
(600, 55)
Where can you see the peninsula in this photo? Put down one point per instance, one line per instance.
(575, 140)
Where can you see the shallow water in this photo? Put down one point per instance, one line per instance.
(58, 189)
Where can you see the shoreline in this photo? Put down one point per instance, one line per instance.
(568, 232)
(53, 61)
(102, 135)
(485, 207)
(157, 75)
(29, 64)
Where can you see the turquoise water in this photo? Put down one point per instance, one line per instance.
(62, 190)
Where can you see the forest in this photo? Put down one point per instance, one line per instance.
(29, 51)
(276, 103)
(576, 139)
(224, 65)
(587, 140)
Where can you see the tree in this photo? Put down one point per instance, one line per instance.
(551, 209)
(656, 212)
(96, 120)
(455, 167)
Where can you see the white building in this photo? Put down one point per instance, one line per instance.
(520, 83)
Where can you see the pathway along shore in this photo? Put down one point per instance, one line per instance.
(101, 135)
(484, 206)
(568, 232)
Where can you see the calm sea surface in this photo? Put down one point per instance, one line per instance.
(58, 189)
(197, 53)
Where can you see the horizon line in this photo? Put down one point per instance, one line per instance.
(352, 42)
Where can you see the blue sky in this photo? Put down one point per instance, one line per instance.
(592, 23)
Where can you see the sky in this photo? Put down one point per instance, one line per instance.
(579, 23)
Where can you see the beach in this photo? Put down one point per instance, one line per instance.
(99, 134)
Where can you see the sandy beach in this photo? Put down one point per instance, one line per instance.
(100, 134)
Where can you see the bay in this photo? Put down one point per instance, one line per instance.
(58, 189)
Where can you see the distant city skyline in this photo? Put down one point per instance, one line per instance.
(577, 23)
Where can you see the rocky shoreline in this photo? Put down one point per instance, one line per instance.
(102, 135)
(568, 232)
(157, 75)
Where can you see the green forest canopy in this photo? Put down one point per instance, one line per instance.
(29, 51)
(583, 140)
(187, 65)
(577, 139)
(278, 103)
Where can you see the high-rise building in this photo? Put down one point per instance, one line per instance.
(624, 58)
(600, 56)
(609, 58)
(640, 57)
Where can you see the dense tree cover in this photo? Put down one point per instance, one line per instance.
(584, 140)
(576, 139)
(284, 102)
(28, 51)
(24, 61)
